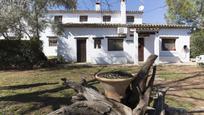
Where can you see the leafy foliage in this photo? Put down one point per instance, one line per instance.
(10, 17)
(197, 40)
(21, 54)
(185, 12)
(189, 12)
(27, 16)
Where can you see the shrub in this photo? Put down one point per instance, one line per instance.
(55, 60)
(21, 54)
(61, 59)
(197, 40)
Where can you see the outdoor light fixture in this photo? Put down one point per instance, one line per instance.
(185, 47)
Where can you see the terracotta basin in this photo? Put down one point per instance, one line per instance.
(114, 88)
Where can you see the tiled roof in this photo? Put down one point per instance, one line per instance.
(108, 25)
(92, 11)
(158, 26)
(139, 26)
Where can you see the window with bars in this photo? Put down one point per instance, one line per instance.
(168, 44)
(83, 18)
(115, 44)
(106, 18)
(52, 41)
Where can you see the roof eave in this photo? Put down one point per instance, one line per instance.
(90, 11)
(105, 25)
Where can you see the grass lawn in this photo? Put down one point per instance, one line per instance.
(40, 91)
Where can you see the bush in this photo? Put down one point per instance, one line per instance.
(61, 59)
(197, 40)
(21, 54)
(55, 60)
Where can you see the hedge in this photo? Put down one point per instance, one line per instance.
(21, 54)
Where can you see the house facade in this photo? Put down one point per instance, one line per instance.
(114, 37)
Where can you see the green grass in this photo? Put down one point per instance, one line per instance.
(175, 102)
(52, 57)
(199, 94)
(171, 75)
(40, 91)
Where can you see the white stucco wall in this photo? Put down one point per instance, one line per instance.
(149, 46)
(48, 50)
(180, 55)
(94, 17)
(68, 46)
(138, 18)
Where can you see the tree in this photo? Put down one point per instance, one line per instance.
(197, 41)
(27, 16)
(186, 12)
(189, 12)
(10, 18)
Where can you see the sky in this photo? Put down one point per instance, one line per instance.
(154, 10)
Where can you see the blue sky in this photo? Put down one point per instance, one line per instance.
(153, 13)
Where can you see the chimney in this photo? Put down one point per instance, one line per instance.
(123, 11)
(98, 6)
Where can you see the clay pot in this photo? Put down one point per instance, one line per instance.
(114, 88)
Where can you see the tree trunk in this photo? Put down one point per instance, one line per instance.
(137, 96)
(138, 85)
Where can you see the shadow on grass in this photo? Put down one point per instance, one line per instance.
(181, 80)
(192, 82)
(186, 83)
(186, 97)
(54, 102)
(15, 87)
(69, 67)
(56, 67)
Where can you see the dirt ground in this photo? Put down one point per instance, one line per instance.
(187, 88)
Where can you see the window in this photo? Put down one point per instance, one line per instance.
(83, 18)
(58, 19)
(130, 18)
(115, 44)
(131, 34)
(52, 41)
(106, 18)
(97, 43)
(168, 44)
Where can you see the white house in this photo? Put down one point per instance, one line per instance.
(114, 37)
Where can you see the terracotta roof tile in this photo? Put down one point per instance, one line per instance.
(92, 11)
(147, 26)
(159, 26)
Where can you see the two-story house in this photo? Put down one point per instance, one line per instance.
(114, 37)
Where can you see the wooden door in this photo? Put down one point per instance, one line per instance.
(141, 49)
(81, 50)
